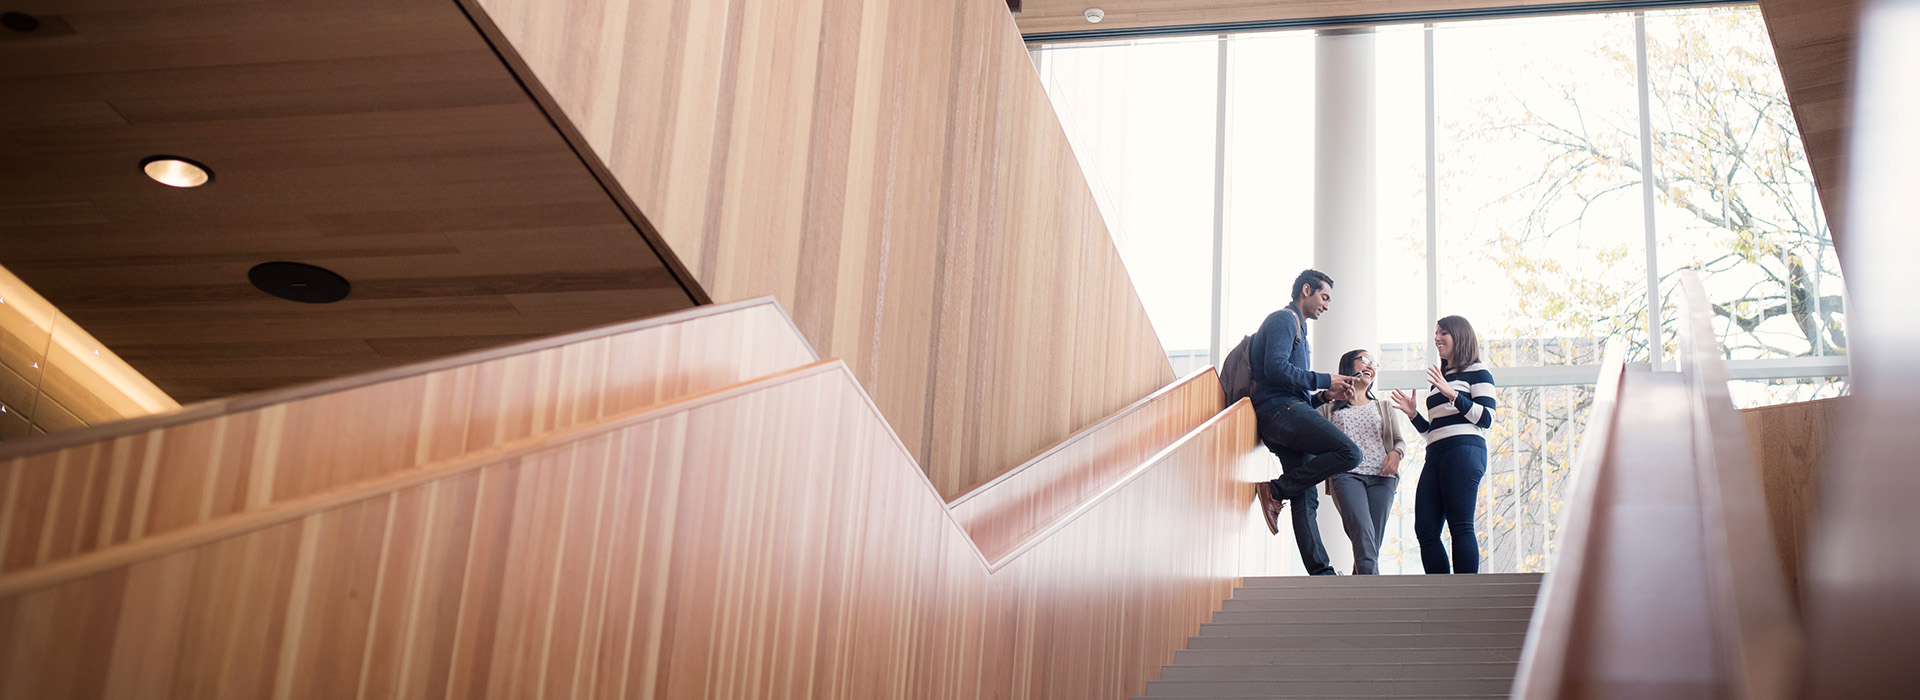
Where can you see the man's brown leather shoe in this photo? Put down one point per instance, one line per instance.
(1269, 506)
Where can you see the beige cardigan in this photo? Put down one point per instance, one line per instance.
(1390, 436)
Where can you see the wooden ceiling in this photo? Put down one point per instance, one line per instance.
(385, 140)
(1812, 40)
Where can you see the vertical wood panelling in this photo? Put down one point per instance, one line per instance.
(1001, 514)
(773, 540)
(70, 495)
(892, 171)
(1813, 42)
(1788, 441)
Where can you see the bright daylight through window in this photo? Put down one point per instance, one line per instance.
(1543, 235)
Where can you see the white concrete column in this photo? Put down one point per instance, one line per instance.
(1343, 196)
(1344, 218)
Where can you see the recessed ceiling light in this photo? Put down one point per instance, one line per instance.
(300, 282)
(19, 21)
(175, 171)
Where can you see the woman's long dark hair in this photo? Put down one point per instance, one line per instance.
(1466, 345)
(1346, 369)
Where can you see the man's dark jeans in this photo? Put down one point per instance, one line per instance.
(1310, 449)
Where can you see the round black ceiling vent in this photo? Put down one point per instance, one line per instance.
(299, 282)
(19, 21)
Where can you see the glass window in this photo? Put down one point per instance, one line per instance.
(1400, 172)
(1140, 117)
(1736, 199)
(1542, 222)
(1542, 251)
(1269, 212)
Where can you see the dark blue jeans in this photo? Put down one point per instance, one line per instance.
(1449, 486)
(1310, 449)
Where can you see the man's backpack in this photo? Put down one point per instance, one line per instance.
(1236, 372)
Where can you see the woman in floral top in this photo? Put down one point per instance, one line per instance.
(1365, 494)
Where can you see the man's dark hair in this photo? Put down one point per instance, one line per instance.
(1318, 279)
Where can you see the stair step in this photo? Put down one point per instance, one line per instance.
(1419, 581)
(1356, 667)
(1293, 601)
(1315, 615)
(1323, 689)
(1371, 642)
(1248, 628)
(1282, 657)
(1486, 590)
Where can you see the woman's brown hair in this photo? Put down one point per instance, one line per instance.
(1466, 345)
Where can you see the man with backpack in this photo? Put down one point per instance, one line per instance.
(1285, 394)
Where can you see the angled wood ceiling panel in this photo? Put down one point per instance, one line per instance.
(383, 140)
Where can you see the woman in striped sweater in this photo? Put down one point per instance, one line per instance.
(1459, 412)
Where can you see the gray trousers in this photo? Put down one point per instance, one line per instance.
(1363, 501)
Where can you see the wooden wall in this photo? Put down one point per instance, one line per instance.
(69, 494)
(1814, 42)
(893, 172)
(1788, 442)
(1003, 514)
(768, 541)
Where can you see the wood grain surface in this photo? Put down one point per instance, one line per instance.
(772, 540)
(893, 172)
(65, 495)
(1002, 514)
(1668, 583)
(381, 139)
(1788, 442)
(1814, 42)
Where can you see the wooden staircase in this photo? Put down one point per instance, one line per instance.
(1358, 637)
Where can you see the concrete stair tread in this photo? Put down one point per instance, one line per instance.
(1356, 671)
(1326, 615)
(1257, 601)
(1282, 657)
(1414, 581)
(1243, 628)
(1358, 637)
(1260, 689)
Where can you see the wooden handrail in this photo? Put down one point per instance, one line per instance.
(1543, 659)
(1667, 582)
(1756, 619)
(717, 526)
(248, 402)
(1010, 509)
(16, 583)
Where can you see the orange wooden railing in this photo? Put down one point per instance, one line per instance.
(768, 540)
(82, 490)
(1668, 583)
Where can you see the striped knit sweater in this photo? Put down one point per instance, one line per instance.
(1469, 413)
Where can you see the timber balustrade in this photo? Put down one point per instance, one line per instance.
(773, 539)
(83, 490)
(1008, 510)
(1667, 583)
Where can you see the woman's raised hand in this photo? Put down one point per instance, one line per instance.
(1404, 401)
(1440, 384)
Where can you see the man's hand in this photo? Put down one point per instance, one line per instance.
(1343, 388)
(1391, 466)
